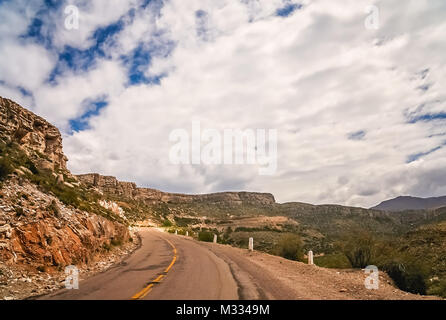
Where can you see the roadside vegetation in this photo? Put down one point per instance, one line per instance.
(15, 160)
(409, 270)
(290, 247)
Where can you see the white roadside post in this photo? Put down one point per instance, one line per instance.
(215, 238)
(187, 233)
(310, 257)
(176, 232)
(251, 244)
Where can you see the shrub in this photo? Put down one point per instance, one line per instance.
(19, 211)
(6, 168)
(408, 273)
(333, 260)
(438, 288)
(407, 277)
(167, 223)
(358, 248)
(206, 236)
(290, 247)
(116, 242)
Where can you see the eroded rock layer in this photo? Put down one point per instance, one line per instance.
(111, 185)
(33, 133)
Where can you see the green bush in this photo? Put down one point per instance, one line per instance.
(6, 168)
(290, 247)
(116, 242)
(167, 223)
(333, 260)
(206, 236)
(438, 288)
(407, 277)
(358, 247)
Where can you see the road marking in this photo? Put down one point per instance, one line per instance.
(171, 264)
(141, 294)
(159, 279)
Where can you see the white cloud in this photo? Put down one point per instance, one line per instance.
(92, 15)
(24, 65)
(63, 101)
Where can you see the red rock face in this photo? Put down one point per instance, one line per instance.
(39, 238)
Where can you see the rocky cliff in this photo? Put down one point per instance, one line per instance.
(40, 139)
(45, 222)
(111, 185)
(39, 230)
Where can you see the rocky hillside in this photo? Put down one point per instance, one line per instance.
(47, 220)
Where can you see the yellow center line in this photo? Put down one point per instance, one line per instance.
(171, 264)
(159, 279)
(141, 294)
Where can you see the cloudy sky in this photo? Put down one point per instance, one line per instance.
(360, 113)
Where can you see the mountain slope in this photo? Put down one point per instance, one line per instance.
(411, 203)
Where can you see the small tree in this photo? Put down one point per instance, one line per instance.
(290, 247)
(206, 236)
(358, 247)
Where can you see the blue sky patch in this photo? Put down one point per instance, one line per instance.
(428, 117)
(84, 59)
(94, 107)
(358, 135)
(415, 157)
(139, 60)
(40, 26)
(137, 63)
(288, 9)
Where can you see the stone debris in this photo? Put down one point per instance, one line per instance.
(17, 282)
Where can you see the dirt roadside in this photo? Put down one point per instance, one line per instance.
(285, 279)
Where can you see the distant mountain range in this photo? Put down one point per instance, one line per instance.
(411, 203)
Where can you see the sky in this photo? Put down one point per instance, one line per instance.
(360, 112)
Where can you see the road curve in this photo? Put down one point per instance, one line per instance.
(194, 272)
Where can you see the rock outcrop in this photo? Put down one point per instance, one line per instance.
(40, 139)
(113, 186)
(36, 228)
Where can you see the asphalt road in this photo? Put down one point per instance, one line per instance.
(171, 267)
